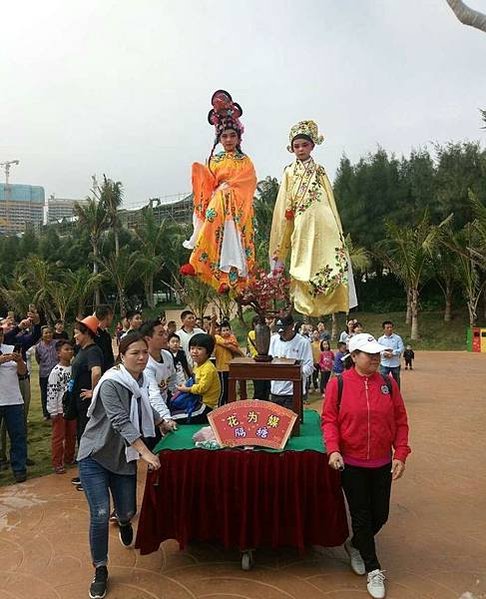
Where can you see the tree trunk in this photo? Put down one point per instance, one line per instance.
(117, 243)
(408, 315)
(97, 297)
(121, 299)
(414, 296)
(472, 313)
(334, 327)
(149, 290)
(448, 305)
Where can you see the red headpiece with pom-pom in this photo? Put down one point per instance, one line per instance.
(225, 114)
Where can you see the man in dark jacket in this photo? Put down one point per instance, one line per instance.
(103, 339)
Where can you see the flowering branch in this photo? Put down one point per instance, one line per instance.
(265, 291)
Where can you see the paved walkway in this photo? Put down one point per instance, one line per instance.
(434, 545)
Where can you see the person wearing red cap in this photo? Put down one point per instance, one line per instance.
(86, 372)
(365, 429)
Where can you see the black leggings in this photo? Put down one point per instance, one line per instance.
(325, 376)
(367, 492)
(43, 380)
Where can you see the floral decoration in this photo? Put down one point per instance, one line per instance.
(328, 279)
(187, 270)
(266, 293)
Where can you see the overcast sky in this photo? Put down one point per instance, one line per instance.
(123, 87)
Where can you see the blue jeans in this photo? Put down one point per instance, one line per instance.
(13, 416)
(97, 483)
(394, 370)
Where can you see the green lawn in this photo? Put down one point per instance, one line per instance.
(435, 334)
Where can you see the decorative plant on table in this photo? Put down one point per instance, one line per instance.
(269, 296)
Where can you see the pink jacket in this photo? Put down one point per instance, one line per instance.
(326, 361)
(369, 423)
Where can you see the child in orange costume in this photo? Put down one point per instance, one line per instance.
(223, 253)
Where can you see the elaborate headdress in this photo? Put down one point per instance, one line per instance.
(225, 114)
(308, 129)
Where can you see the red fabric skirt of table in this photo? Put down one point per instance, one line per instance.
(242, 499)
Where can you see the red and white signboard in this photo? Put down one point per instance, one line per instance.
(252, 422)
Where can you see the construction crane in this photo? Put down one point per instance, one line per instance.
(6, 167)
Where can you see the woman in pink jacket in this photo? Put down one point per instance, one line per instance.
(365, 428)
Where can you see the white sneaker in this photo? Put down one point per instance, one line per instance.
(376, 584)
(355, 559)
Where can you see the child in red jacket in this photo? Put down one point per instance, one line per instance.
(365, 429)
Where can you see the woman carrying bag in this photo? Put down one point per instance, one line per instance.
(365, 429)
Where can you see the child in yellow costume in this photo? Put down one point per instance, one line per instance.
(223, 253)
(306, 223)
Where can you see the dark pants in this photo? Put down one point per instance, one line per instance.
(97, 483)
(367, 492)
(393, 370)
(13, 416)
(325, 376)
(408, 363)
(315, 376)
(82, 406)
(199, 419)
(24, 384)
(286, 401)
(43, 380)
(223, 379)
(261, 390)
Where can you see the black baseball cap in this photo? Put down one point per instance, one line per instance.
(283, 322)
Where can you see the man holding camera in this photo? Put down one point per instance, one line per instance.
(13, 367)
(25, 334)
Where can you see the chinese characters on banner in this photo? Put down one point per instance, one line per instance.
(252, 422)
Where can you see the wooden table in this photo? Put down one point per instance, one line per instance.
(279, 369)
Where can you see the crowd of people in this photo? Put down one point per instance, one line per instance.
(165, 376)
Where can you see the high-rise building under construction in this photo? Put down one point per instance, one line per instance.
(21, 206)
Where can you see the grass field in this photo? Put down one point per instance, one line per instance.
(435, 334)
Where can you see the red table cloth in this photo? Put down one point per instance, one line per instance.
(243, 499)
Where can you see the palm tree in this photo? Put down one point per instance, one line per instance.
(445, 271)
(16, 295)
(37, 275)
(73, 290)
(407, 252)
(93, 216)
(469, 272)
(150, 236)
(122, 270)
(111, 196)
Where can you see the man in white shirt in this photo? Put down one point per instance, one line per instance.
(186, 332)
(160, 372)
(286, 343)
(390, 358)
(12, 406)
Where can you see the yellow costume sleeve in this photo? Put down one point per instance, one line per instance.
(332, 201)
(282, 222)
